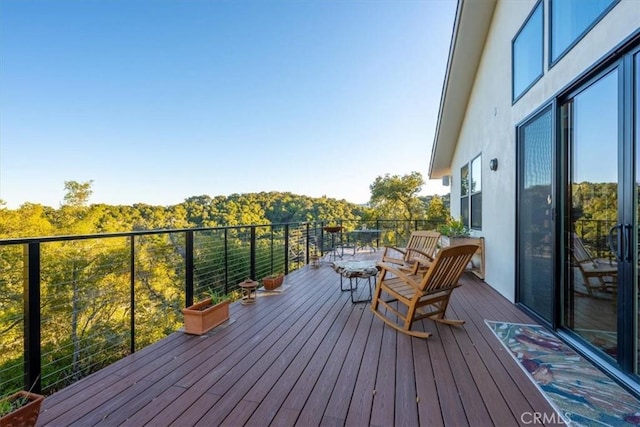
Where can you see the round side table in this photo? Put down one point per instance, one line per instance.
(248, 288)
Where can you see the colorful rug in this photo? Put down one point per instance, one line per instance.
(581, 393)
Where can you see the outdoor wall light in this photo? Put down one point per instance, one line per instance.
(446, 180)
(493, 164)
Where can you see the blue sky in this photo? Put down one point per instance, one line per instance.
(160, 100)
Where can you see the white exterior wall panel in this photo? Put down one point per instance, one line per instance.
(490, 120)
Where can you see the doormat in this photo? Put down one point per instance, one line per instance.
(579, 392)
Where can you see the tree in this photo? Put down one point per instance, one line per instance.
(397, 196)
(437, 212)
(78, 193)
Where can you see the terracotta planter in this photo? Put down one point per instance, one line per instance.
(332, 228)
(270, 283)
(26, 415)
(201, 317)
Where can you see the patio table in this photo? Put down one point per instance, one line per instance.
(364, 238)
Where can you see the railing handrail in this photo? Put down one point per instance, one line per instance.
(67, 237)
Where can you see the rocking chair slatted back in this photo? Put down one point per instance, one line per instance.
(447, 267)
(421, 247)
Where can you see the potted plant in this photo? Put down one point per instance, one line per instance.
(273, 281)
(455, 233)
(205, 315)
(20, 409)
(451, 230)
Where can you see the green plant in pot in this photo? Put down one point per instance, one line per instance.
(454, 228)
(205, 315)
(273, 281)
(20, 409)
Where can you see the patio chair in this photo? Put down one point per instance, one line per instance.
(604, 273)
(422, 296)
(417, 255)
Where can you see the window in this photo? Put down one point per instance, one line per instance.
(527, 53)
(464, 194)
(571, 20)
(471, 194)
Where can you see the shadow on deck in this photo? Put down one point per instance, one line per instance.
(308, 356)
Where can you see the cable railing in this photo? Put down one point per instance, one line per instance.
(72, 305)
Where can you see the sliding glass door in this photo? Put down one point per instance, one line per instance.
(535, 250)
(590, 132)
(578, 213)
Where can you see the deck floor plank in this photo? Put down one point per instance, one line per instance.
(406, 398)
(340, 398)
(364, 392)
(308, 356)
(495, 404)
(514, 385)
(429, 412)
(239, 383)
(273, 399)
(316, 404)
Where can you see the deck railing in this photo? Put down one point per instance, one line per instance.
(71, 305)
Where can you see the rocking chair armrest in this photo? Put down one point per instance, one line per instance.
(424, 254)
(384, 267)
(403, 251)
(394, 258)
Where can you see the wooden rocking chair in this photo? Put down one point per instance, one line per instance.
(424, 296)
(417, 255)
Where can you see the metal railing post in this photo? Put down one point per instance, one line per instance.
(188, 261)
(132, 294)
(32, 331)
(307, 244)
(286, 249)
(252, 268)
(271, 250)
(226, 260)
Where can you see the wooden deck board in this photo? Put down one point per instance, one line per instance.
(308, 356)
(340, 398)
(317, 402)
(406, 396)
(429, 412)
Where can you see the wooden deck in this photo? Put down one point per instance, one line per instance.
(308, 356)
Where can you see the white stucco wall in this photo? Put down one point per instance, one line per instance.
(490, 120)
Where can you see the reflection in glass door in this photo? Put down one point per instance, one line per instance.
(590, 122)
(636, 244)
(535, 225)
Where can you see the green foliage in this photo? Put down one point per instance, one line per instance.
(78, 193)
(437, 212)
(9, 405)
(397, 196)
(217, 296)
(454, 228)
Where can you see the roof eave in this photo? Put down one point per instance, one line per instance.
(471, 27)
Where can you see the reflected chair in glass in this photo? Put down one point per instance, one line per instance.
(598, 275)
